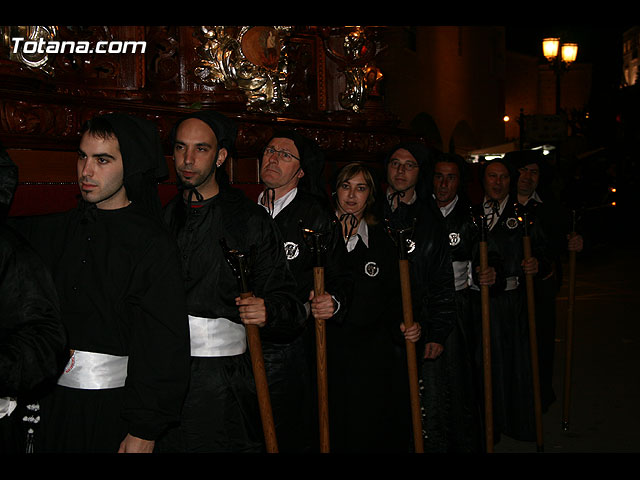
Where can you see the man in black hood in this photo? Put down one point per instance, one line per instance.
(407, 168)
(513, 401)
(221, 413)
(408, 205)
(32, 339)
(295, 196)
(533, 184)
(117, 274)
(453, 413)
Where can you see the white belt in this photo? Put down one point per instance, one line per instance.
(94, 371)
(461, 274)
(512, 283)
(7, 405)
(216, 337)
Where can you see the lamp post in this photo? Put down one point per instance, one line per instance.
(560, 57)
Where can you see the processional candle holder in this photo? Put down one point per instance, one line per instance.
(318, 243)
(241, 264)
(480, 223)
(402, 237)
(526, 222)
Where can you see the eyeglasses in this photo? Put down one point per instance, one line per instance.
(286, 156)
(395, 164)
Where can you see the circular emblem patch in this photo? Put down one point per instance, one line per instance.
(291, 250)
(512, 223)
(411, 245)
(71, 363)
(371, 269)
(454, 239)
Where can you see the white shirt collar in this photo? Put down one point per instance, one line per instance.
(280, 203)
(446, 210)
(535, 196)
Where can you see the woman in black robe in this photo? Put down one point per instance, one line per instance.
(369, 407)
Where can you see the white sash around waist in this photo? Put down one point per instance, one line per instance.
(461, 274)
(94, 371)
(512, 283)
(7, 405)
(216, 337)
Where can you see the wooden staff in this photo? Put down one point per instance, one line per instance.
(569, 332)
(401, 239)
(239, 263)
(317, 243)
(486, 340)
(533, 343)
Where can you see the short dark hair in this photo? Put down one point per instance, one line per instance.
(98, 127)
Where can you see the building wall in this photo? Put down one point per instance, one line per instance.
(455, 75)
(531, 89)
(631, 42)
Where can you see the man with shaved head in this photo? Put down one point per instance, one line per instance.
(221, 411)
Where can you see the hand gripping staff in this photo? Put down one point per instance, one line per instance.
(569, 333)
(533, 343)
(240, 264)
(481, 223)
(318, 243)
(402, 239)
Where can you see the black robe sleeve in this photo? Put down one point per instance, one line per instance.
(32, 338)
(135, 307)
(273, 281)
(305, 211)
(158, 371)
(210, 283)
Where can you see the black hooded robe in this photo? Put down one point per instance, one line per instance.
(512, 378)
(369, 403)
(118, 279)
(455, 425)
(221, 410)
(433, 296)
(291, 366)
(32, 338)
(134, 308)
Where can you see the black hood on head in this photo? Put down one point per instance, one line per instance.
(463, 169)
(510, 169)
(223, 127)
(311, 162)
(142, 157)
(425, 157)
(225, 130)
(522, 158)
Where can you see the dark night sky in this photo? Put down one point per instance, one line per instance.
(600, 46)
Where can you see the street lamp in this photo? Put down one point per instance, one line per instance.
(559, 63)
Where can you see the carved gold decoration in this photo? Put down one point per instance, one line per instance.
(40, 58)
(251, 58)
(355, 61)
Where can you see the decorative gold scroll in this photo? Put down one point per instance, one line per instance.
(252, 58)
